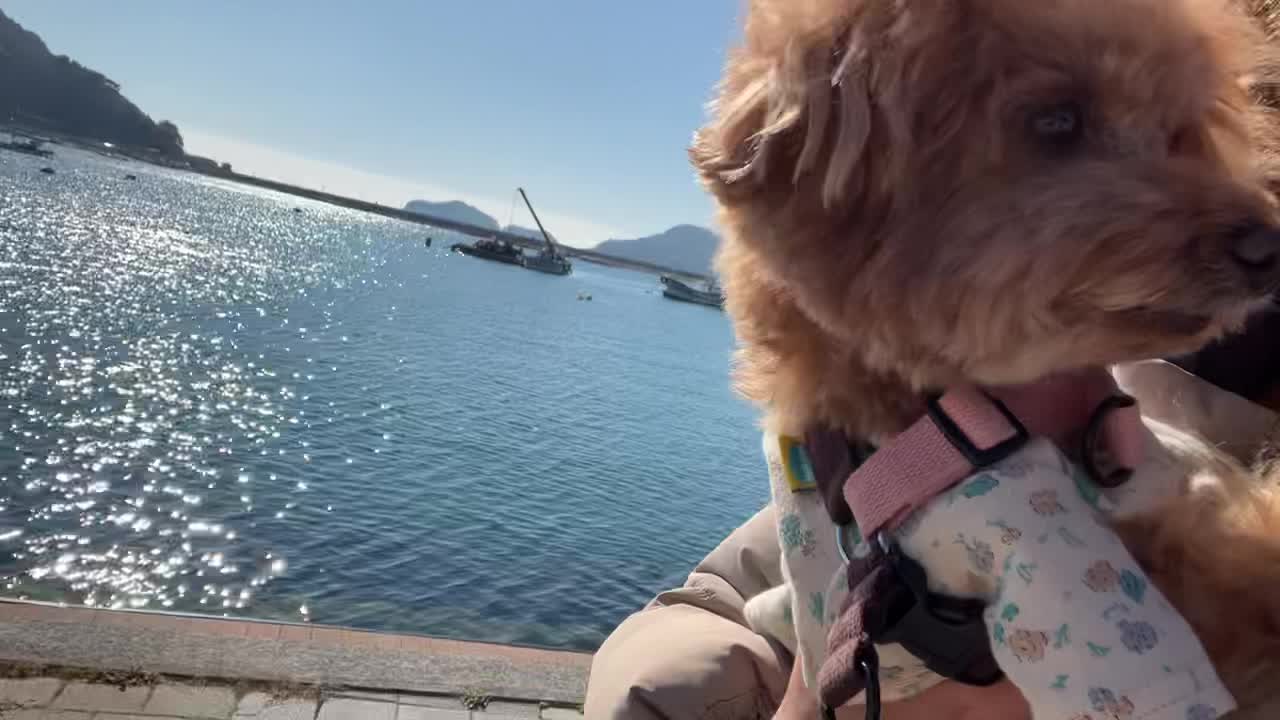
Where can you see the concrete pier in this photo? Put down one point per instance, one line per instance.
(72, 663)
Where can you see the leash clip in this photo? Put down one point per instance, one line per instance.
(867, 665)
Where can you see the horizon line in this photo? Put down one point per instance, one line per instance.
(333, 177)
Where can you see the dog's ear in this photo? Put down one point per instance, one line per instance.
(790, 109)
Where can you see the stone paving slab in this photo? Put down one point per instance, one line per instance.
(443, 702)
(390, 697)
(561, 714)
(415, 712)
(252, 703)
(191, 701)
(102, 698)
(290, 710)
(353, 709)
(37, 691)
(516, 711)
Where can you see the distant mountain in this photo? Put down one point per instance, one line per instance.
(43, 91)
(527, 232)
(683, 247)
(452, 210)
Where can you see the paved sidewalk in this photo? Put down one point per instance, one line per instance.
(222, 668)
(51, 698)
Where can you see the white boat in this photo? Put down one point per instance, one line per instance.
(676, 289)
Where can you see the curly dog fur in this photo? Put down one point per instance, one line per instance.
(916, 193)
(1215, 552)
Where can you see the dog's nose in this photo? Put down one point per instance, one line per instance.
(1256, 250)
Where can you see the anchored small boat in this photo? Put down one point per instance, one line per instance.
(491, 249)
(676, 289)
(548, 260)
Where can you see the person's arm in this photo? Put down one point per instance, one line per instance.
(690, 655)
(947, 700)
(799, 702)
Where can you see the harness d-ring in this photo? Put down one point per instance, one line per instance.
(842, 542)
(847, 555)
(1090, 449)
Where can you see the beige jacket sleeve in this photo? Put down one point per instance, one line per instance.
(1179, 399)
(689, 655)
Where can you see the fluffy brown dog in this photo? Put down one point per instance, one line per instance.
(917, 193)
(1215, 552)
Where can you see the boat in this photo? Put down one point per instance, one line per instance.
(491, 249)
(676, 289)
(550, 259)
(48, 170)
(26, 147)
(548, 262)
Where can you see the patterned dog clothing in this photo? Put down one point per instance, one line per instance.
(1074, 621)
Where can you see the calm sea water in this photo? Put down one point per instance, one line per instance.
(209, 402)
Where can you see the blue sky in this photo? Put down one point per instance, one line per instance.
(589, 104)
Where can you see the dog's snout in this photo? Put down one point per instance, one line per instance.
(1256, 250)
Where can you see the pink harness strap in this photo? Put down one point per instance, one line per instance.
(967, 429)
(964, 430)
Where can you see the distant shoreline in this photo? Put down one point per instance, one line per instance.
(444, 223)
(477, 231)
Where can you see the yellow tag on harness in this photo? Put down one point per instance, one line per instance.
(796, 465)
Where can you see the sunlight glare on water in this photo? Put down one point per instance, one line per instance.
(211, 403)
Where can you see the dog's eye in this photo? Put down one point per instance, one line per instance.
(1186, 142)
(1058, 125)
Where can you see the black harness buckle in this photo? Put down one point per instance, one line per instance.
(947, 634)
(978, 457)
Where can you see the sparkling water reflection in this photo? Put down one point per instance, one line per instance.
(211, 402)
